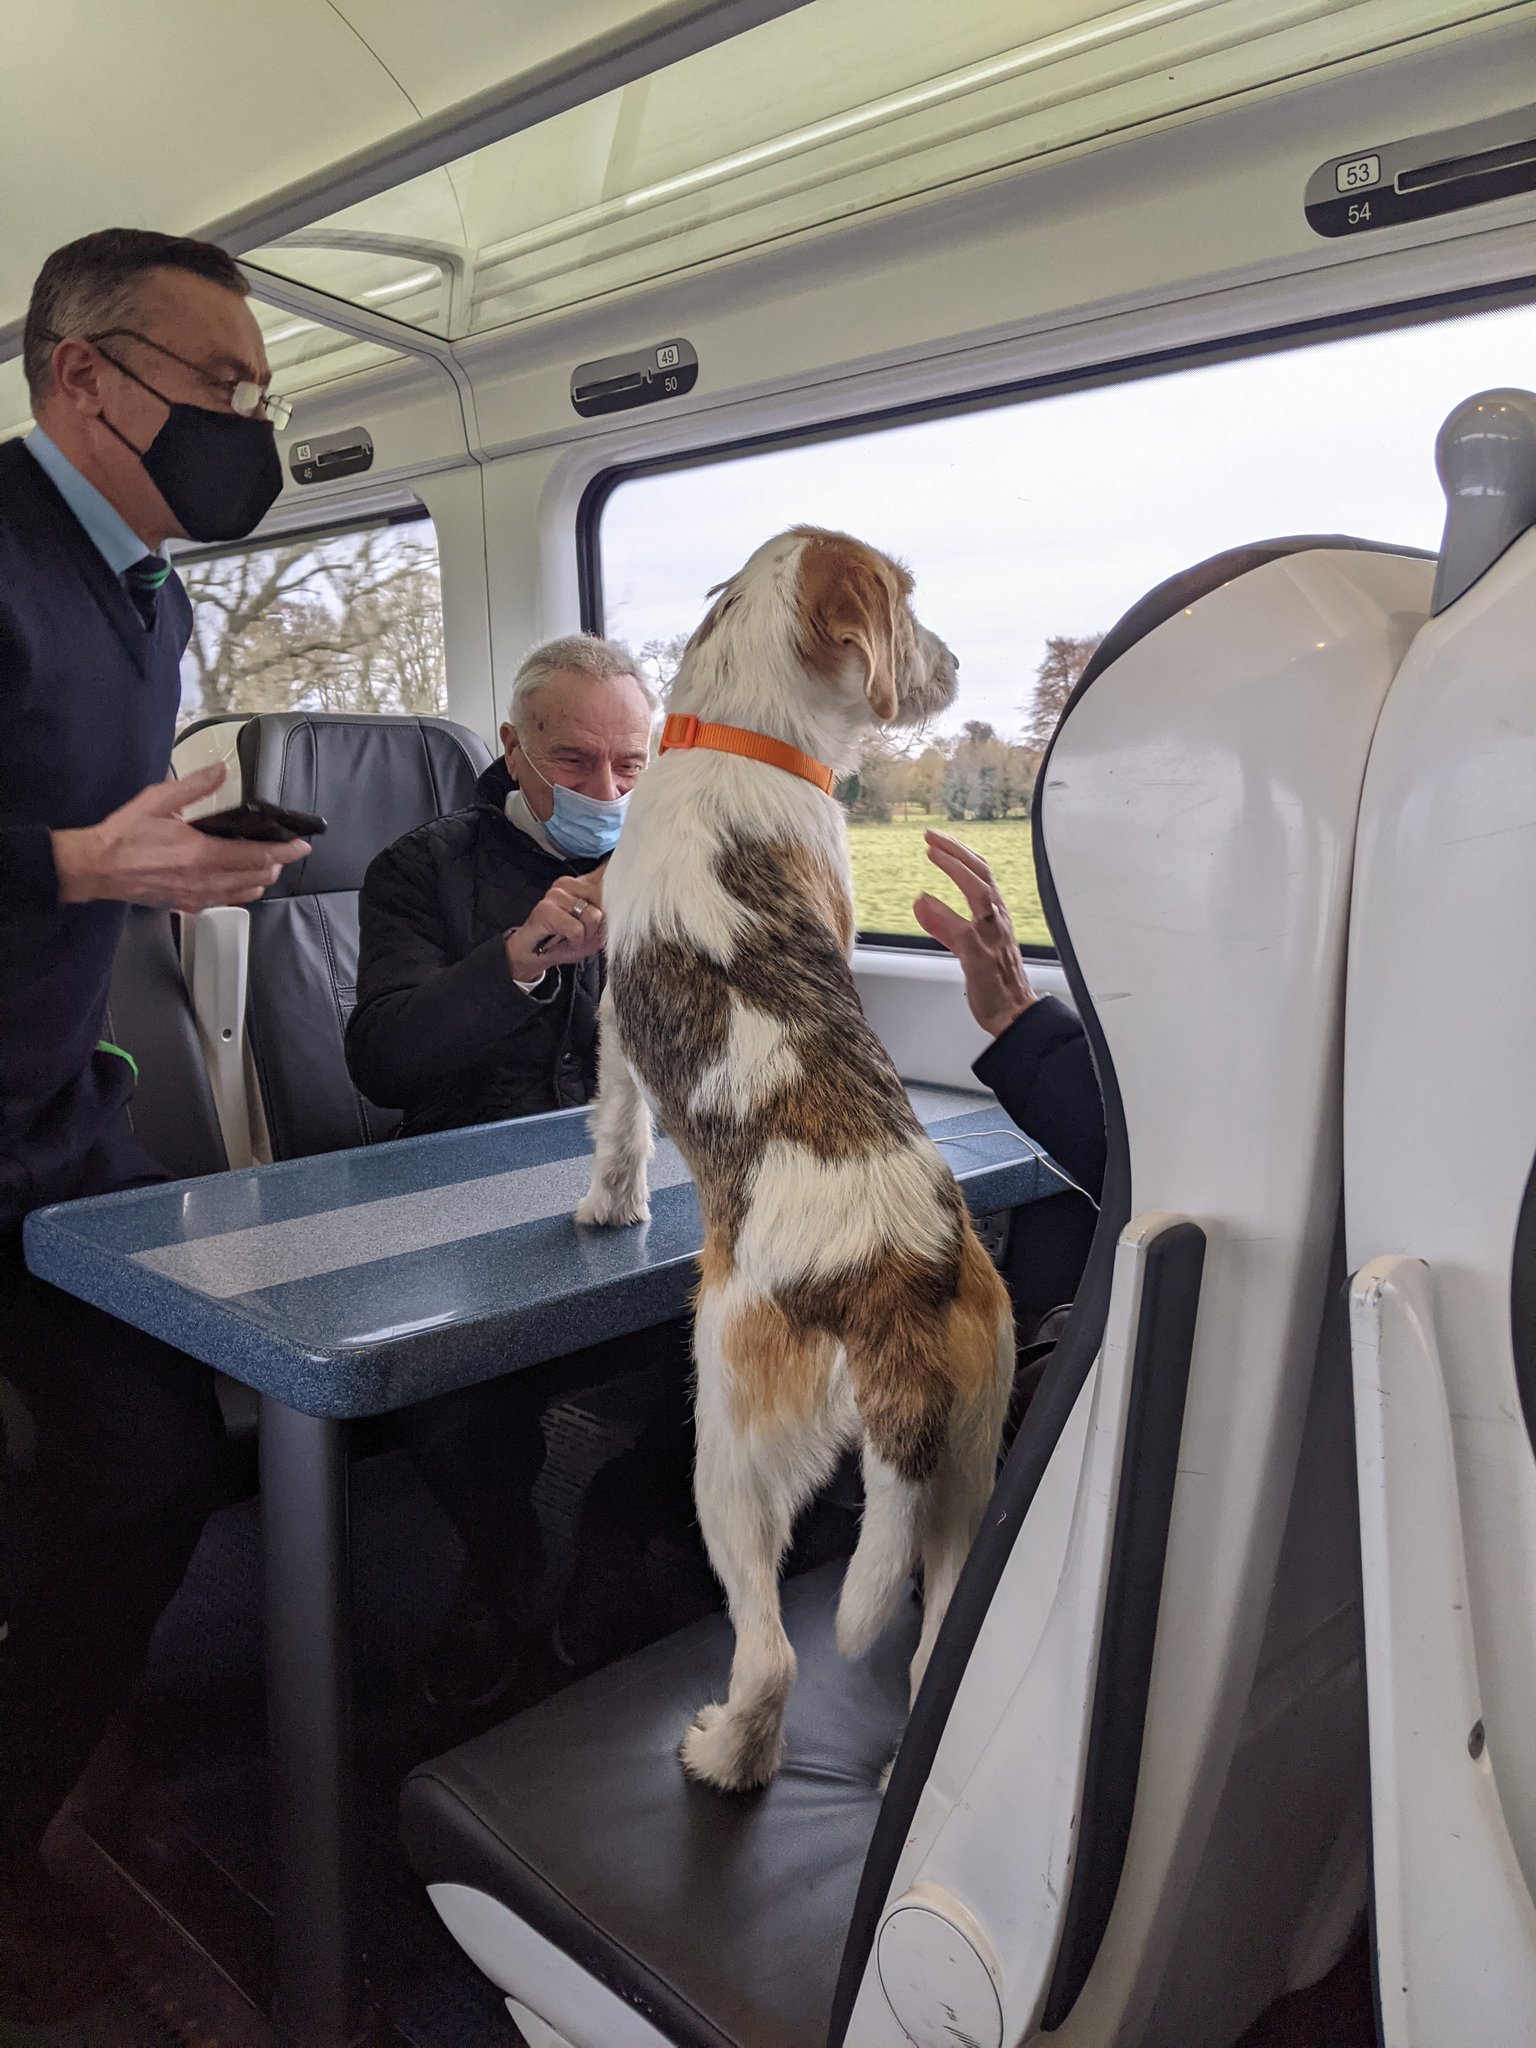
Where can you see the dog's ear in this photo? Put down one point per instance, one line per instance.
(852, 601)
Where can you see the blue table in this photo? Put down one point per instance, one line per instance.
(357, 1283)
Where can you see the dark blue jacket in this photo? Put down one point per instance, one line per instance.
(1041, 1071)
(88, 703)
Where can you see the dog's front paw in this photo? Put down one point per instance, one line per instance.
(615, 1207)
(733, 1753)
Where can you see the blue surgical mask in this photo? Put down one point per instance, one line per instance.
(581, 826)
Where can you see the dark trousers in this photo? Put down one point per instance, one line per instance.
(114, 1456)
(481, 1450)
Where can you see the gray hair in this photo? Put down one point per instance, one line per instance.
(579, 653)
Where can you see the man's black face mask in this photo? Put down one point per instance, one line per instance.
(220, 474)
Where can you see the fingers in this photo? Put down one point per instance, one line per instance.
(167, 799)
(239, 871)
(979, 890)
(558, 927)
(957, 850)
(942, 923)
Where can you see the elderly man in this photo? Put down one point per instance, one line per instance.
(479, 969)
(479, 972)
(148, 381)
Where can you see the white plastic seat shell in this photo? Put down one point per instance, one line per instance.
(1199, 813)
(1440, 1136)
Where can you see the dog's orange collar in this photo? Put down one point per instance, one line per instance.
(683, 730)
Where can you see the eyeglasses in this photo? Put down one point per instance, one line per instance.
(242, 395)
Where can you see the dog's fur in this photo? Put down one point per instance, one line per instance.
(844, 1296)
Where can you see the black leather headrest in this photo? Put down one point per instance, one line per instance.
(370, 778)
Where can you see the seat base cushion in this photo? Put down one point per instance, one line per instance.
(721, 1917)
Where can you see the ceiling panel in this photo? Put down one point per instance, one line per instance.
(173, 113)
(822, 114)
(442, 55)
(153, 116)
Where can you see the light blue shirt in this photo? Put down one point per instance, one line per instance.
(116, 542)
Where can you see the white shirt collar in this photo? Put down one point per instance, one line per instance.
(518, 814)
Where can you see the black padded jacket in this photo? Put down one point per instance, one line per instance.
(441, 1030)
(1041, 1071)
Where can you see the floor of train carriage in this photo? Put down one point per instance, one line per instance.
(193, 1830)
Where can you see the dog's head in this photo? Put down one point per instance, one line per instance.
(846, 610)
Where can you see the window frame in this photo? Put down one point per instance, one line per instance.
(1420, 311)
(289, 536)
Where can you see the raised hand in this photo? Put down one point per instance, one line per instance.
(996, 986)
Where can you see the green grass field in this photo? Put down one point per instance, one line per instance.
(891, 867)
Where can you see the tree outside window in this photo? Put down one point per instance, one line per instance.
(344, 622)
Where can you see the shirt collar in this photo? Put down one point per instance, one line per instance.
(518, 814)
(114, 539)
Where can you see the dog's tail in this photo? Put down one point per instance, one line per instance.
(882, 1561)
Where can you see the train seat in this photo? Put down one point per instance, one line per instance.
(1130, 1800)
(150, 1015)
(286, 971)
(1440, 1178)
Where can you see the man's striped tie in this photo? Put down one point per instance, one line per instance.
(144, 580)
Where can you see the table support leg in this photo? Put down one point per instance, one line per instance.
(307, 1570)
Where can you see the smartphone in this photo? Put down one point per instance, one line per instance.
(259, 820)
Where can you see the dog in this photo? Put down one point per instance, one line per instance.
(843, 1294)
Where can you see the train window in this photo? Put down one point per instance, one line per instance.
(349, 621)
(15, 405)
(823, 114)
(1033, 525)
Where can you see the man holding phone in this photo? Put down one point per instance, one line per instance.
(148, 382)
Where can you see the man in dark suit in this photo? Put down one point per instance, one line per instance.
(148, 382)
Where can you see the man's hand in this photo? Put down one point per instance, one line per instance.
(996, 986)
(570, 917)
(148, 853)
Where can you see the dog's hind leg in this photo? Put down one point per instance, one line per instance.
(621, 1134)
(764, 1447)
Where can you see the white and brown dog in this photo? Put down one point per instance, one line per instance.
(843, 1296)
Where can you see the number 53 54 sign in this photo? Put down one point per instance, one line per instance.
(1424, 176)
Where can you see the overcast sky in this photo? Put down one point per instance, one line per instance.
(1054, 516)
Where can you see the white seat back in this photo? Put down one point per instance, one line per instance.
(1440, 1137)
(1100, 1767)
